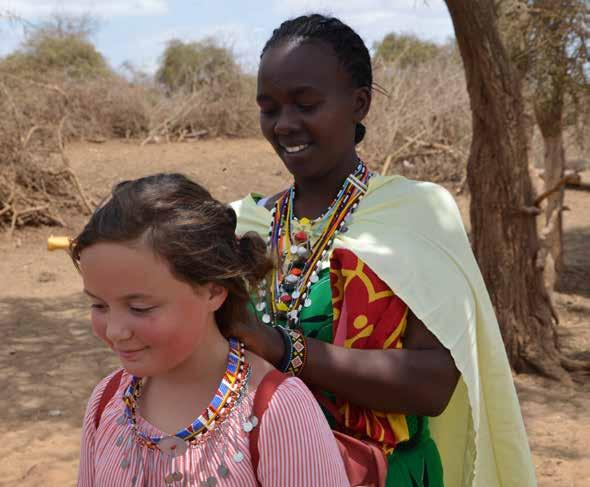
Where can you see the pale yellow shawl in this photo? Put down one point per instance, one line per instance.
(411, 234)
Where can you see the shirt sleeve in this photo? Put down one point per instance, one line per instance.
(297, 447)
(86, 473)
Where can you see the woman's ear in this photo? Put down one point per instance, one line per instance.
(216, 294)
(361, 103)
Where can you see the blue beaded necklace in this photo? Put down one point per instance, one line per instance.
(229, 396)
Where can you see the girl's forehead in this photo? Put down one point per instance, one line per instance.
(113, 270)
(301, 62)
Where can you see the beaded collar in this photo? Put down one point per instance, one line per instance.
(300, 260)
(227, 401)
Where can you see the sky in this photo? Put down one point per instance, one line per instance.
(138, 30)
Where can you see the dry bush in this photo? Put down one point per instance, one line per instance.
(422, 127)
(108, 106)
(207, 93)
(34, 186)
(217, 108)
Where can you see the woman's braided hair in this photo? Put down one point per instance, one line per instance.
(346, 43)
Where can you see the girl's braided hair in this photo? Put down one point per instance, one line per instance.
(194, 233)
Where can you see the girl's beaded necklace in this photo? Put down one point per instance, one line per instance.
(209, 430)
(300, 258)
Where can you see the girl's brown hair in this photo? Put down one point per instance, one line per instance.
(195, 234)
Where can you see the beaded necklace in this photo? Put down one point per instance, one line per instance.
(300, 260)
(208, 430)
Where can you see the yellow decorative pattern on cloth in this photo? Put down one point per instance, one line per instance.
(367, 315)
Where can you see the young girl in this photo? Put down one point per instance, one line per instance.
(378, 275)
(165, 274)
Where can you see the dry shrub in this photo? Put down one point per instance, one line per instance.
(34, 186)
(207, 93)
(108, 106)
(422, 127)
(223, 107)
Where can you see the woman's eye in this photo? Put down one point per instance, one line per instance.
(307, 107)
(267, 111)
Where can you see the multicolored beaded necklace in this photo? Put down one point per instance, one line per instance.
(300, 259)
(227, 401)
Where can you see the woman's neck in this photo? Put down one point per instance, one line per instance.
(314, 195)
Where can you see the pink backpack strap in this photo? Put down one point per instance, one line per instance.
(107, 394)
(264, 393)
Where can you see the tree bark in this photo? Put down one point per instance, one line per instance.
(550, 84)
(504, 234)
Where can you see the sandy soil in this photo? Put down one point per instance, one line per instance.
(49, 360)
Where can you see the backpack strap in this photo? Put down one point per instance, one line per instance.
(107, 394)
(264, 392)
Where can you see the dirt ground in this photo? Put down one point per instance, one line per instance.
(49, 360)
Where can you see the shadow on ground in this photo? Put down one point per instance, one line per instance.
(575, 278)
(40, 377)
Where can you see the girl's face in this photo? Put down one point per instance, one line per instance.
(308, 107)
(153, 321)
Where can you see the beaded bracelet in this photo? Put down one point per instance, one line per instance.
(288, 355)
(298, 353)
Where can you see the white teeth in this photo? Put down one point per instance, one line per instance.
(297, 148)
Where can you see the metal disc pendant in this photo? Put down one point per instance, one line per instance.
(266, 318)
(291, 279)
(260, 306)
(307, 303)
(295, 294)
(173, 446)
(302, 252)
(173, 477)
(238, 456)
(294, 249)
(248, 426)
(314, 278)
(223, 471)
(254, 421)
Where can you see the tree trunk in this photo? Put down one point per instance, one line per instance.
(550, 80)
(504, 234)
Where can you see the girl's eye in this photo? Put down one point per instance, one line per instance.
(98, 307)
(141, 311)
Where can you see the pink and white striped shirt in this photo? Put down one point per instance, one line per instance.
(296, 446)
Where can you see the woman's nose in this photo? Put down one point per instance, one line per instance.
(287, 122)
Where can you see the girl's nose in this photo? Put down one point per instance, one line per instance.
(116, 330)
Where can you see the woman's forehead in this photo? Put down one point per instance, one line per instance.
(298, 64)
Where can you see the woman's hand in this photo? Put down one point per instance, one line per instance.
(263, 340)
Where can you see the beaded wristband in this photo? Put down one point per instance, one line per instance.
(288, 355)
(298, 353)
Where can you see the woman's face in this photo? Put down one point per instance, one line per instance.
(152, 320)
(309, 107)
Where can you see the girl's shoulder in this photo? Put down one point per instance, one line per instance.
(104, 393)
(293, 391)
